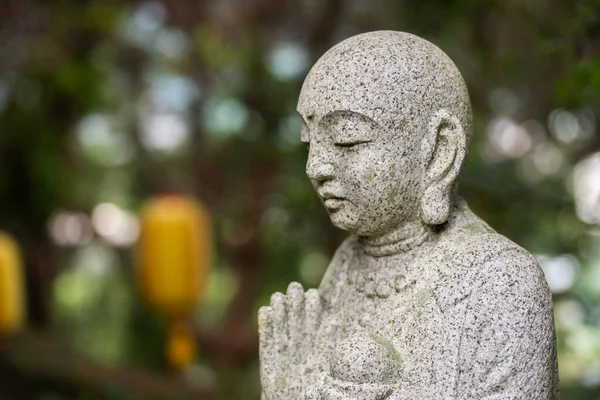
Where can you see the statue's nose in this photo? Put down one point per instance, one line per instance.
(318, 169)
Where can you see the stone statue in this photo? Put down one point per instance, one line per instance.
(423, 300)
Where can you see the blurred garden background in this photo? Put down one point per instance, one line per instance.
(105, 105)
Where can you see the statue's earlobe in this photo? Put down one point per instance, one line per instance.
(435, 210)
(444, 148)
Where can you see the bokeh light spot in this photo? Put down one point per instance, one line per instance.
(586, 182)
(287, 60)
(560, 271)
(226, 117)
(118, 227)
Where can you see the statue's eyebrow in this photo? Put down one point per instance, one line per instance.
(310, 117)
(337, 113)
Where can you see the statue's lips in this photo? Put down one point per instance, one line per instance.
(334, 203)
(331, 198)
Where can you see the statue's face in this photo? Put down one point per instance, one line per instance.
(366, 176)
(367, 105)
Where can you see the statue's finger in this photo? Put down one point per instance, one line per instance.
(265, 325)
(265, 339)
(280, 331)
(295, 318)
(312, 317)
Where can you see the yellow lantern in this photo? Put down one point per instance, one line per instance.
(175, 255)
(12, 308)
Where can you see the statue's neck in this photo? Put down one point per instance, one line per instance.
(399, 240)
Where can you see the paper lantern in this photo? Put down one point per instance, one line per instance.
(12, 307)
(175, 256)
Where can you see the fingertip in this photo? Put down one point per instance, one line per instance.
(312, 295)
(295, 287)
(313, 305)
(264, 313)
(277, 298)
(279, 307)
(295, 297)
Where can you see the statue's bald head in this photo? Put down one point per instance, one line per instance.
(394, 78)
(388, 119)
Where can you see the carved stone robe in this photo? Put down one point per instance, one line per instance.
(471, 317)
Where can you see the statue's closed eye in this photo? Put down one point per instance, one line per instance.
(350, 129)
(353, 144)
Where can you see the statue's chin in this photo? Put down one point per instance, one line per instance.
(343, 226)
(360, 224)
(342, 220)
(350, 226)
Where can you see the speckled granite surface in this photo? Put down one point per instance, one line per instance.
(423, 300)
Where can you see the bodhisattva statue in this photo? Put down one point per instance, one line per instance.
(423, 300)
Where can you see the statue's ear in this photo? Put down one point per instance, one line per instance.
(444, 148)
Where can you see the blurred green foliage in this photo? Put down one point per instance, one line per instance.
(114, 102)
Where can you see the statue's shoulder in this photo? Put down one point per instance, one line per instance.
(490, 255)
(471, 255)
(469, 241)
